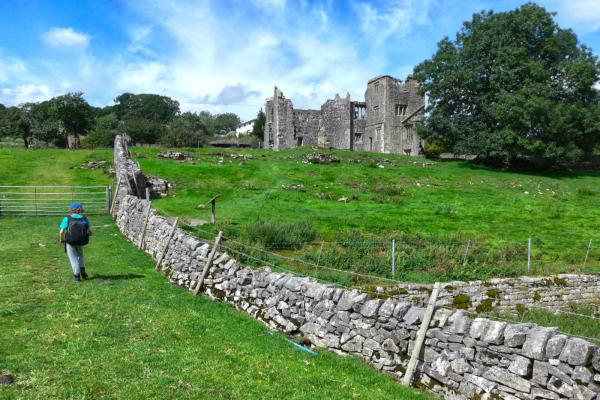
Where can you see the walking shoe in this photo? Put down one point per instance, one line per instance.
(83, 274)
(76, 278)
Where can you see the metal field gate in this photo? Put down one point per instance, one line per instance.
(53, 200)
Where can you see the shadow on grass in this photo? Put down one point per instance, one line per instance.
(116, 277)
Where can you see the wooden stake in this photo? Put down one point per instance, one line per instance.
(587, 253)
(146, 218)
(467, 251)
(112, 205)
(208, 263)
(393, 258)
(166, 246)
(412, 364)
(213, 206)
(529, 255)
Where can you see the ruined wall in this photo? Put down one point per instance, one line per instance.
(306, 125)
(462, 357)
(392, 109)
(336, 123)
(279, 123)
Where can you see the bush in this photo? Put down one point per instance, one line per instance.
(275, 235)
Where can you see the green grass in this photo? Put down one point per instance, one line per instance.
(566, 322)
(432, 208)
(127, 333)
(22, 167)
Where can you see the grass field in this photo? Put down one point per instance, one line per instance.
(126, 333)
(450, 219)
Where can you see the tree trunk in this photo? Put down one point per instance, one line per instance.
(73, 141)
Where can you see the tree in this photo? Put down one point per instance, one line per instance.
(513, 87)
(149, 107)
(186, 130)
(16, 123)
(106, 127)
(258, 129)
(225, 123)
(73, 116)
(145, 116)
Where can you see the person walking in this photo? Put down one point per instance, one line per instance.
(75, 232)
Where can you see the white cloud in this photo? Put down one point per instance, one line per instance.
(581, 14)
(26, 93)
(391, 18)
(65, 38)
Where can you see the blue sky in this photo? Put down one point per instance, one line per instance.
(226, 55)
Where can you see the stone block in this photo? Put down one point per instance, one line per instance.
(582, 375)
(389, 345)
(350, 299)
(494, 332)
(460, 366)
(414, 315)
(576, 352)
(558, 386)
(477, 327)
(370, 308)
(515, 335)
(535, 344)
(482, 383)
(460, 322)
(555, 346)
(520, 366)
(387, 309)
(354, 345)
(506, 378)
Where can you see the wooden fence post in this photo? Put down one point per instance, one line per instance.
(208, 263)
(112, 204)
(412, 364)
(166, 246)
(146, 218)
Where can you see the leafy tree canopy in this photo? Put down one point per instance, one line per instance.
(513, 86)
(149, 107)
(186, 130)
(258, 129)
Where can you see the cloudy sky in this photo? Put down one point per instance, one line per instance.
(226, 55)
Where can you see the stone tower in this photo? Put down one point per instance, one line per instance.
(393, 110)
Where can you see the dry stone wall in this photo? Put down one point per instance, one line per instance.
(511, 295)
(462, 357)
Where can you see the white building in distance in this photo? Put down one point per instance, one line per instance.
(245, 128)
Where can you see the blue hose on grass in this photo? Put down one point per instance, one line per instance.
(304, 349)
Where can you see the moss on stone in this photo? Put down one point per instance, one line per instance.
(462, 301)
(493, 294)
(486, 305)
(560, 281)
(520, 308)
(537, 297)
(487, 284)
(449, 288)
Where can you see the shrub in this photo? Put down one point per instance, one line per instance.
(280, 235)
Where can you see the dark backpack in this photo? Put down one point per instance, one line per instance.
(77, 232)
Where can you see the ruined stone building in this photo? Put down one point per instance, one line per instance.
(385, 122)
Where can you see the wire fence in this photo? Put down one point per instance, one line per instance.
(256, 256)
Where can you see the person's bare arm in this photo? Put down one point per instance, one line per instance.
(62, 235)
